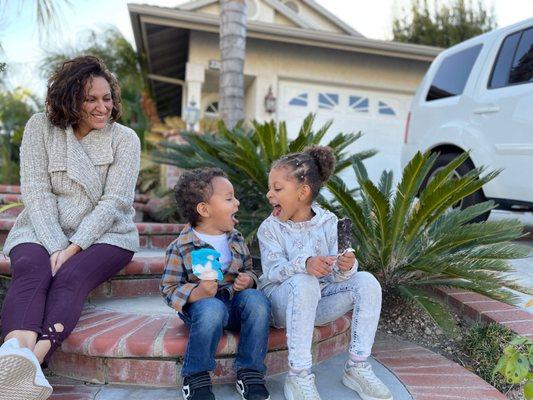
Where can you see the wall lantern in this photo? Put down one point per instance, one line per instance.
(270, 102)
(191, 115)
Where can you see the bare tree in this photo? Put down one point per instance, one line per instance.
(232, 54)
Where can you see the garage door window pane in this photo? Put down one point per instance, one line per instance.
(522, 70)
(451, 77)
(358, 103)
(500, 73)
(328, 100)
(385, 109)
(300, 100)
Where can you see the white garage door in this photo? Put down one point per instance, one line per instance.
(379, 115)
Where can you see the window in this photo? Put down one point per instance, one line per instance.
(522, 69)
(300, 100)
(212, 108)
(328, 100)
(452, 75)
(358, 104)
(502, 67)
(385, 109)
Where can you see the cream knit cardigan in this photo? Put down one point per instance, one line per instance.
(77, 191)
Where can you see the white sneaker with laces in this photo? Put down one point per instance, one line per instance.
(21, 376)
(361, 378)
(300, 387)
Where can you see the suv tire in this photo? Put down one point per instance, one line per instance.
(475, 198)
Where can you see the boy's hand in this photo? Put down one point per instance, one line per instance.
(203, 290)
(346, 261)
(319, 265)
(243, 281)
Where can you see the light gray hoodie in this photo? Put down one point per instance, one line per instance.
(285, 247)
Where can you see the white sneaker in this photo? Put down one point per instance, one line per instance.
(21, 376)
(300, 387)
(361, 378)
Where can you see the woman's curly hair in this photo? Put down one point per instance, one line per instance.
(66, 90)
(193, 187)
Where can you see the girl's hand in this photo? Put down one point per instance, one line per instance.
(346, 261)
(243, 281)
(319, 266)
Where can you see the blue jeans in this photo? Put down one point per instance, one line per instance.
(248, 311)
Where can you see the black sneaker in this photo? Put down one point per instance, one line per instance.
(251, 385)
(197, 387)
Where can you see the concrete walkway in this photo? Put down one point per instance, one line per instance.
(328, 375)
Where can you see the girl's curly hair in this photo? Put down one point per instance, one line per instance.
(66, 90)
(313, 166)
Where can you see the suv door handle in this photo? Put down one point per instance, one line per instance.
(487, 110)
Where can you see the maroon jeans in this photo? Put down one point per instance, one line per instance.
(36, 301)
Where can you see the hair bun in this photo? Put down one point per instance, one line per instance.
(324, 158)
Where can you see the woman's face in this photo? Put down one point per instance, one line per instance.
(97, 105)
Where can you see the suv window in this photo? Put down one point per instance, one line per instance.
(451, 77)
(500, 73)
(522, 70)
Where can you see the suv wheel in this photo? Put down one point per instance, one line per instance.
(476, 197)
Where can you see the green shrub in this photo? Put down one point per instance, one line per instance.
(516, 363)
(412, 239)
(484, 344)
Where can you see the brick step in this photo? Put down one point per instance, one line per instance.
(142, 341)
(152, 235)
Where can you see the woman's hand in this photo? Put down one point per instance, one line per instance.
(62, 256)
(53, 261)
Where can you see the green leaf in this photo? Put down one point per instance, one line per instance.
(436, 310)
(528, 390)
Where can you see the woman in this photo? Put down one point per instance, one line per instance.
(78, 169)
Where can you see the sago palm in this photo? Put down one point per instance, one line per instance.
(412, 239)
(246, 155)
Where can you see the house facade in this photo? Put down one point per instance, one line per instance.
(305, 56)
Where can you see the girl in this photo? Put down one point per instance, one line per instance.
(308, 283)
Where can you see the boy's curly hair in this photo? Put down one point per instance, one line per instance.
(195, 186)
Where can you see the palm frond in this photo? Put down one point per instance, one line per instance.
(436, 310)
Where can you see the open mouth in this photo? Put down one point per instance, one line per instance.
(100, 118)
(277, 210)
(235, 220)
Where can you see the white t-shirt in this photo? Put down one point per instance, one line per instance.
(220, 244)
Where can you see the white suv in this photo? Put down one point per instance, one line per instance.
(478, 96)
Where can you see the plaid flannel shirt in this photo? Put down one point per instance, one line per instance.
(178, 279)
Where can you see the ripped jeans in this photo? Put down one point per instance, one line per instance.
(299, 303)
(36, 301)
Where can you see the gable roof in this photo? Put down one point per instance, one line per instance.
(286, 12)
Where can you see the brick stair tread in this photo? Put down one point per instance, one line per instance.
(425, 374)
(145, 327)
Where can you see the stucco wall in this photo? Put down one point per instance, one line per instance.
(270, 61)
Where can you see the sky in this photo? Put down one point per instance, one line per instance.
(23, 50)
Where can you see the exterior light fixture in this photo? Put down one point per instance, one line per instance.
(270, 102)
(191, 115)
